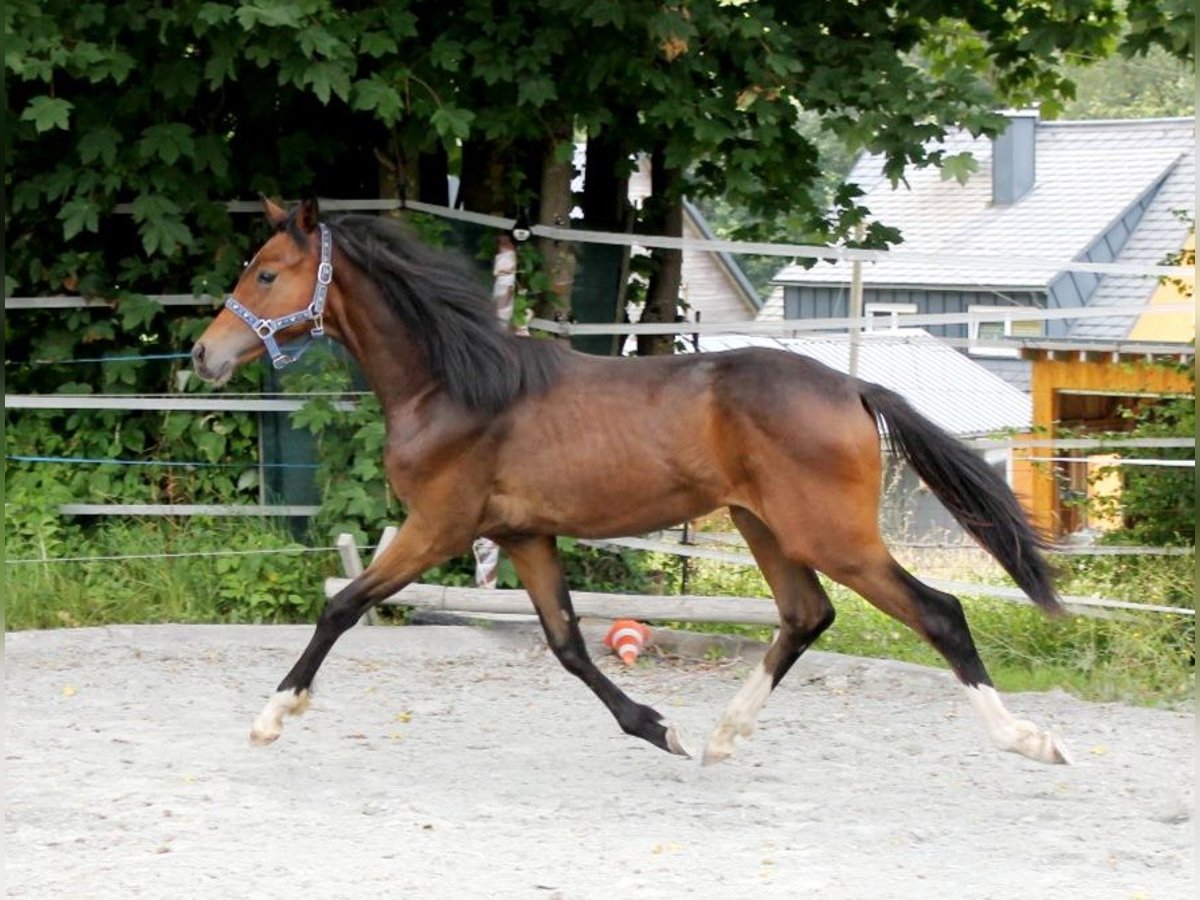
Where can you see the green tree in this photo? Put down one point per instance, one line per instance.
(1119, 87)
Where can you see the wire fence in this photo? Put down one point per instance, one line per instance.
(828, 327)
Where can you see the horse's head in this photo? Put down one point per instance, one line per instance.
(280, 296)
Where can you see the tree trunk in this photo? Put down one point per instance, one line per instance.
(665, 217)
(558, 257)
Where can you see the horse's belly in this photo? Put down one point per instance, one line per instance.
(596, 508)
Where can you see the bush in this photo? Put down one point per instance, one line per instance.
(283, 586)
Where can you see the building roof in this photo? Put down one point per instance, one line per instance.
(734, 272)
(1160, 231)
(954, 391)
(1088, 174)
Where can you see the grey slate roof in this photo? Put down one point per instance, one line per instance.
(953, 390)
(1088, 174)
(1159, 232)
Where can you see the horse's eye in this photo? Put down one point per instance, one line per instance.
(266, 277)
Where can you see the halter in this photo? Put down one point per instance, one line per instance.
(314, 312)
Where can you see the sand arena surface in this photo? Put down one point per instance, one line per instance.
(463, 762)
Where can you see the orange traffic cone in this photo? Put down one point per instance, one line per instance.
(626, 637)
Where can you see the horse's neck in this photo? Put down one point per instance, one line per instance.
(393, 366)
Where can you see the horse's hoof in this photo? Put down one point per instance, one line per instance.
(263, 738)
(675, 743)
(1040, 746)
(714, 754)
(269, 724)
(1056, 753)
(1061, 756)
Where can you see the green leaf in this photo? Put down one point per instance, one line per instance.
(100, 144)
(212, 153)
(115, 65)
(314, 415)
(536, 92)
(280, 14)
(161, 224)
(79, 215)
(377, 44)
(446, 53)
(451, 122)
(48, 113)
(373, 95)
(167, 142)
(149, 207)
(959, 166)
(328, 78)
(137, 311)
(211, 445)
(214, 14)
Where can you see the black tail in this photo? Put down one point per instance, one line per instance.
(976, 496)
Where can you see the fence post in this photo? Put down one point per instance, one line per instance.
(352, 565)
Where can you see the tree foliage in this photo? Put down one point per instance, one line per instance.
(1119, 87)
(174, 108)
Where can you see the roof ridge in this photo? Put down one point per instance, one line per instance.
(1158, 120)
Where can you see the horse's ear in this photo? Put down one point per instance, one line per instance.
(308, 215)
(275, 213)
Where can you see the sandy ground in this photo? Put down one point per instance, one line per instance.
(463, 762)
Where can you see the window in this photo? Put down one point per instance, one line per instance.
(885, 315)
(991, 324)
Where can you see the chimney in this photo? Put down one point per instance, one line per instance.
(1013, 157)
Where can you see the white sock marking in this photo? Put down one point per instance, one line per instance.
(1012, 734)
(739, 717)
(269, 724)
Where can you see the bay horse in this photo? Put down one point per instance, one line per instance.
(520, 440)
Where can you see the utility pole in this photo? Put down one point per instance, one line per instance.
(856, 304)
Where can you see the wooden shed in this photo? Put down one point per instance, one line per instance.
(1080, 390)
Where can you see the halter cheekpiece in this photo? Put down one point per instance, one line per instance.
(314, 312)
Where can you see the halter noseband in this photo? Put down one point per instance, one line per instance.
(314, 312)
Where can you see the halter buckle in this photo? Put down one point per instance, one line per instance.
(325, 273)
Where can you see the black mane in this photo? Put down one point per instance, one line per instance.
(449, 313)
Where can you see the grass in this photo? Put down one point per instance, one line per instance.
(277, 587)
(1137, 657)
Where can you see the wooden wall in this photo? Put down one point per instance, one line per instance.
(1056, 376)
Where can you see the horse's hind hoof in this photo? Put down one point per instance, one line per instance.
(712, 756)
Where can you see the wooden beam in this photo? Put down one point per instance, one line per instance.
(744, 610)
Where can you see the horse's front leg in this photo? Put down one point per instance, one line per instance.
(540, 569)
(405, 558)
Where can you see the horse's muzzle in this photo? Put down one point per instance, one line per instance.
(202, 366)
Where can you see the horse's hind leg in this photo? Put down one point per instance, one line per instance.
(938, 617)
(804, 613)
(540, 569)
